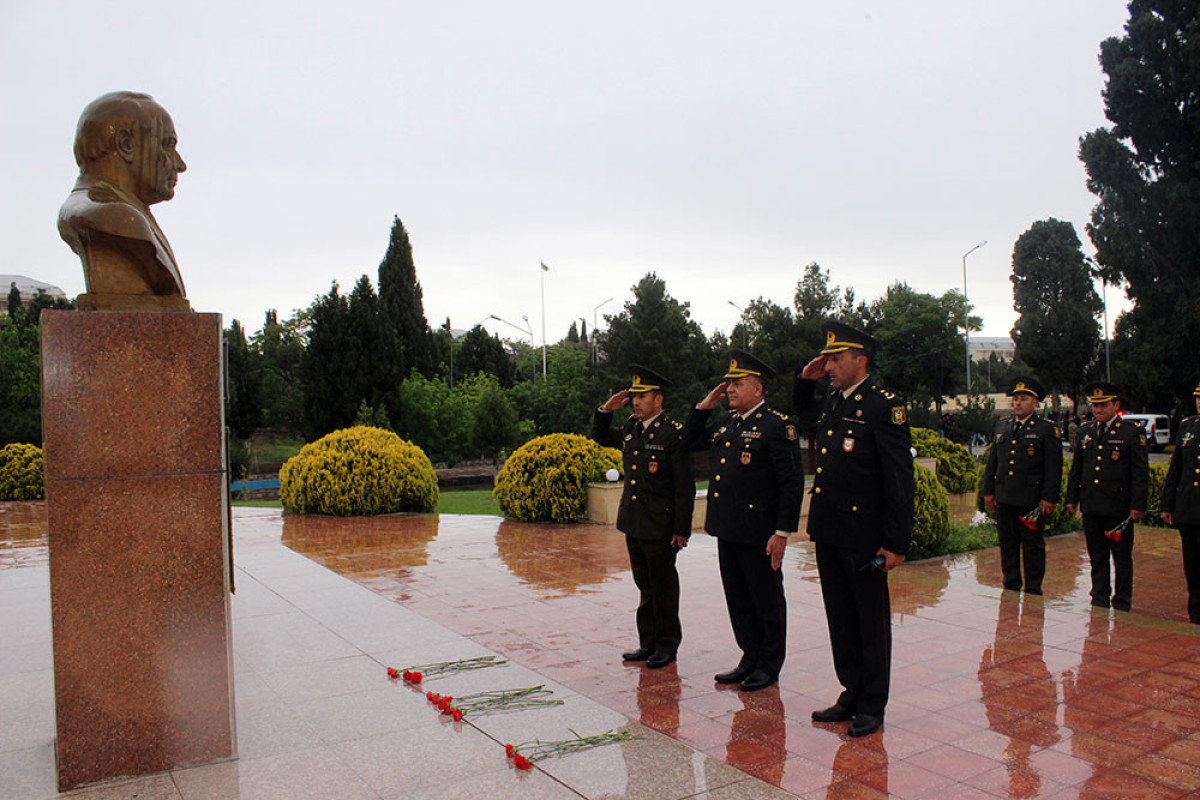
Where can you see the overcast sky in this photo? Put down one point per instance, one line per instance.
(723, 146)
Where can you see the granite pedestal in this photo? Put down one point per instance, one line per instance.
(139, 548)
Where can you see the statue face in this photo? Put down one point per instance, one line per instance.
(156, 163)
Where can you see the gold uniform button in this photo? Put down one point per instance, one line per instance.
(718, 478)
(727, 444)
(632, 482)
(817, 490)
(722, 461)
(1096, 481)
(829, 432)
(823, 451)
(716, 495)
(854, 508)
(820, 470)
(634, 498)
(752, 506)
(1010, 472)
(633, 466)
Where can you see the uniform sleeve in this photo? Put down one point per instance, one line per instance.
(602, 431)
(789, 477)
(1076, 472)
(693, 436)
(894, 443)
(1171, 484)
(685, 487)
(1139, 479)
(989, 469)
(1052, 477)
(806, 400)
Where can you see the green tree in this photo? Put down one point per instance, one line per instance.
(493, 416)
(657, 330)
(14, 300)
(480, 352)
(402, 301)
(1145, 170)
(1056, 333)
(243, 406)
(434, 418)
(562, 401)
(920, 347)
(280, 348)
(325, 371)
(772, 333)
(20, 381)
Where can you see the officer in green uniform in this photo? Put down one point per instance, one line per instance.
(656, 508)
(860, 517)
(1181, 502)
(1109, 481)
(754, 493)
(1021, 485)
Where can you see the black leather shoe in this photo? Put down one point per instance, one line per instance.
(660, 659)
(735, 675)
(641, 654)
(865, 725)
(757, 680)
(835, 713)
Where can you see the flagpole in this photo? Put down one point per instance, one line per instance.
(545, 269)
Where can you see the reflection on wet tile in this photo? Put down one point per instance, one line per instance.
(994, 694)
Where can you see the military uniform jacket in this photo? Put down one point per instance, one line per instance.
(755, 479)
(1181, 490)
(863, 492)
(1024, 465)
(659, 492)
(1110, 472)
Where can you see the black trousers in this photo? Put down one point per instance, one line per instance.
(757, 609)
(859, 611)
(1189, 536)
(1016, 540)
(1100, 548)
(653, 564)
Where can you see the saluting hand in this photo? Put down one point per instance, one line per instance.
(616, 401)
(714, 397)
(815, 369)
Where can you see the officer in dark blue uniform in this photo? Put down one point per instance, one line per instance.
(1109, 482)
(1181, 502)
(1021, 483)
(656, 508)
(860, 517)
(754, 494)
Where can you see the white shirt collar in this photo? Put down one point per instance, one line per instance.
(751, 411)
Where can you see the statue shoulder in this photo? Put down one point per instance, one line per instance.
(87, 212)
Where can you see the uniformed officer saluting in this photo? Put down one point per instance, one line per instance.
(1021, 485)
(754, 493)
(1181, 502)
(1109, 481)
(656, 508)
(860, 517)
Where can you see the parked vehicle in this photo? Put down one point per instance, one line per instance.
(1157, 427)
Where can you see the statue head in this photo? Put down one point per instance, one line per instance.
(129, 140)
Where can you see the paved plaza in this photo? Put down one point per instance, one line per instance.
(993, 695)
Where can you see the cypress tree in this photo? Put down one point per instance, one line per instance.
(402, 302)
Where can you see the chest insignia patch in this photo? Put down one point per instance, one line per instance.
(898, 415)
(653, 467)
(746, 455)
(848, 444)
(1031, 451)
(791, 432)
(1116, 455)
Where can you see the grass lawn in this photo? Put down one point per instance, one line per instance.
(466, 501)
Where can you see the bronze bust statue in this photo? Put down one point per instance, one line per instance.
(125, 148)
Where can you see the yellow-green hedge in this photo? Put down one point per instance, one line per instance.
(957, 468)
(358, 471)
(22, 472)
(546, 478)
(931, 516)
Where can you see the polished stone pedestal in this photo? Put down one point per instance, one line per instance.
(138, 539)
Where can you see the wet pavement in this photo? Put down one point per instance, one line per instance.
(993, 694)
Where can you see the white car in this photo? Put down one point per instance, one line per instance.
(1156, 426)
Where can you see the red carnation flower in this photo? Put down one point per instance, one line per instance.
(392, 673)
(508, 750)
(458, 715)
(416, 677)
(521, 762)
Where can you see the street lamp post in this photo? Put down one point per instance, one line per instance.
(595, 327)
(967, 316)
(528, 330)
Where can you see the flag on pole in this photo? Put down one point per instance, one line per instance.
(544, 267)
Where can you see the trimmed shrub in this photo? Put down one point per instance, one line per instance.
(22, 472)
(358, 471)
(546, 478)
(1158, 476)
(931, 516)
(957, 468)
